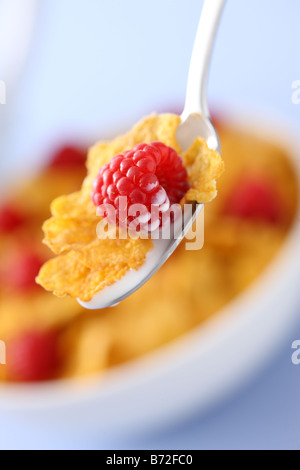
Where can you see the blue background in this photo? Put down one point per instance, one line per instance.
(95, 67)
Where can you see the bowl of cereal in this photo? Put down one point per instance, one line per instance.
(204, 324)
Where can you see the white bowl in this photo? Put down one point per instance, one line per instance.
(193, 372)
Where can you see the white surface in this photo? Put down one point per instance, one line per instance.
(263, 415)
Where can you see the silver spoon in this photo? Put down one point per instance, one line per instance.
(195, 122)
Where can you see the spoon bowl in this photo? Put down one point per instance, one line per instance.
(196, 126)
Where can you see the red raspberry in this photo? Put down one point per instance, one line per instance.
(10, 219)
(21, 271)
(152, 175)
(32, 357)
(254, 198)
(67, 156)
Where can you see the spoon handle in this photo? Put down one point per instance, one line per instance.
(196, 95)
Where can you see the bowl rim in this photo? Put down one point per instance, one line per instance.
(282, 131)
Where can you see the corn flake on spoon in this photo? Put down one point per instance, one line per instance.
(195, 122)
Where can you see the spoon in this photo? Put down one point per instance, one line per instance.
(195, 122)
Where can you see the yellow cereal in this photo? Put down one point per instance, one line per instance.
(204, 166)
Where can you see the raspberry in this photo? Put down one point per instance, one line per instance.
(32, 357)
(149, 175)
(21, 271)
(10, 219)
(254, 198)
(67, 156)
